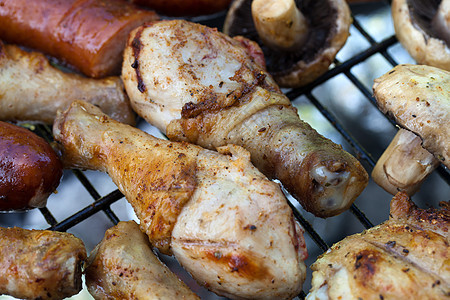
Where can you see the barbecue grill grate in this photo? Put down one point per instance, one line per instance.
(102, 204)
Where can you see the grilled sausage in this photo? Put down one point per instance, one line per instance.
(40, 264)
(87, 34)
(29, 169)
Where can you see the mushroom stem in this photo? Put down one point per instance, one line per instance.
(404, 165)
(279, 23)
(441, 21)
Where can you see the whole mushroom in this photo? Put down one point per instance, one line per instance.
(423, 28)
(417, 97)
(300, 38)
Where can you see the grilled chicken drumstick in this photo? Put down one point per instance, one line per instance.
(199, 85)
(406, 257)
(33, 90)
(123, 266)
(224, 221)
(40, 264)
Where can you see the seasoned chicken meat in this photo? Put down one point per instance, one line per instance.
(407, 257)
(225, 222)
(33, 90)
(40, 264)
(199, 85)
(123, 266)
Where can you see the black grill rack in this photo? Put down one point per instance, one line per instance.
(317, 241)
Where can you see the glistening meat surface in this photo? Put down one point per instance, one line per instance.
(225, 222)
(199, 85)
(405, 257)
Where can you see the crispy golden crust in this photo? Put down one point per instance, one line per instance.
(437, 220)
(403, 258)
(33, 90)
(123, 266)
(40, 264)
(418, 98)
(157, 189)
(219, 215)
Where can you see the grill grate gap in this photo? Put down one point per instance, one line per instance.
(103, 203)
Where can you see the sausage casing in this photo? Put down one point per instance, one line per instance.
(30, 170)
(87, 34)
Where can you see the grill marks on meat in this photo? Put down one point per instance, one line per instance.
(405, 257)
(136, 45)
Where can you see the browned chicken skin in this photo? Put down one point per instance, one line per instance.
(40, 264)
(224, 221)
(33, 90)
(201, 86)
(406, 257)
(123, 266)
(30, 170)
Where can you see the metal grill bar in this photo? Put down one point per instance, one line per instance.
(347, 65)
(104, 203)
(101, 204)
(309, 229)
(93, 192)
(360, 151)
(373, 42)
(48, 216)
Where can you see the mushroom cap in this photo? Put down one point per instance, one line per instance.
(412, 24)
(417, 97)
(329, 22)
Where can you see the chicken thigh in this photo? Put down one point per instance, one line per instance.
(199, 85)
(225, 222)
(406, 257)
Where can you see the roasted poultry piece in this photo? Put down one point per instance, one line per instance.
(407, 257)
(33, 90)
(225, 222)
(40, 264)
(30, 170)
(201, 86)
(123, 266)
